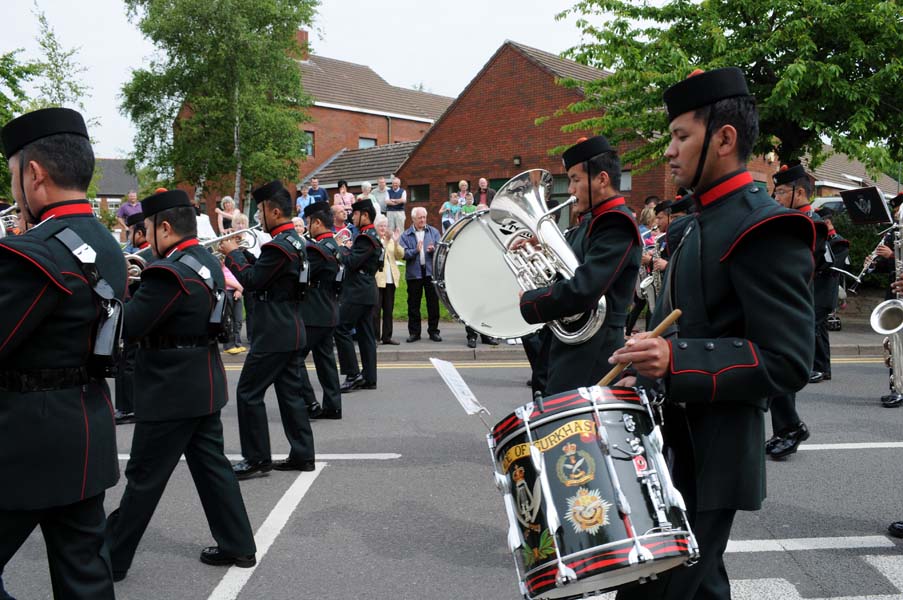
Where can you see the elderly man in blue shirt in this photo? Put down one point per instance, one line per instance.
(420, 242)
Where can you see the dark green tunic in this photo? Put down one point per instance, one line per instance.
(741, 277)
(607, 245)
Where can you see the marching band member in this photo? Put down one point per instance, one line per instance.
(827, 284)
(279, 336)
(746, 332)
(58, 440)
(608, 245)
(183, 389)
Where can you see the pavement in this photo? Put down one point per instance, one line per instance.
(856, 338)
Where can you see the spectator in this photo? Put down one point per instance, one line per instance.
(449, 211)
(367, 194)
(316, 192)
(395, 206)
(344, 232)
(381, 193)
(126, 210)
(300, 228)
(651, 201)
(484, 193)
(463, 187)
(468, 207)
(344, 197)
(387, 280)
(225, 215)
(420, 241)
(646, 222)
(256, 238)
(303, 200)
(234, 305)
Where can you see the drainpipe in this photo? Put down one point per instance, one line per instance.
(389, 129)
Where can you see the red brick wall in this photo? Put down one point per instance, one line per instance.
(492, 122)
(336, 129)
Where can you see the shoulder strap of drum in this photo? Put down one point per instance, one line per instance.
(220, 319)
(86, 257)
(202, 271)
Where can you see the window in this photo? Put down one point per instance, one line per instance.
(626, 181)
(560, 195)
(309, 147)
(419, 193)
(366, 143)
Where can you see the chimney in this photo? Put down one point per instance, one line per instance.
(301, 38)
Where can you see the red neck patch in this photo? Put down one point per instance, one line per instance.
(144, 246)
(366, 227)
(282, 228)
(79, 207)
(608, 205)
(806, 210)
(725, 188)
(327, 234)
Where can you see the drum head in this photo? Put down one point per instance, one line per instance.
(476, 283)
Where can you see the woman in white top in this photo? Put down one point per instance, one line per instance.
(387, 280)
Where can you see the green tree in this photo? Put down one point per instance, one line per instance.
(13, 99)
(818, 68)
(223, 97)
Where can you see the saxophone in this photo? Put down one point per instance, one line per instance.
(651, 286)
(887, 319)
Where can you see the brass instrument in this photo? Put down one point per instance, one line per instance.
(135, 264)
(9, 220)
(519, 209)
(245, 243)
(887, 318)
(651, 286)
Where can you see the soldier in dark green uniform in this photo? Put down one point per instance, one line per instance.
(793, 189)
(741, 276)
(57, 435)
(608, 246)
(321, 312)
(359, 296)
(275, 282)
(827, 285)
(125, 385)
(183, 388)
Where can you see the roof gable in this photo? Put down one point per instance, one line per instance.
(364, 164)
(343, 83)
(842, 172)
(115, 179)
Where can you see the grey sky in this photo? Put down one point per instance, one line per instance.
(407, 42)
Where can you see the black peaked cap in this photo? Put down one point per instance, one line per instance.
(316, 207)
(135, 219)
(164, 201)
(585, 150)
(703, 88)
(267, 191)
(39, 124)
(789, 174)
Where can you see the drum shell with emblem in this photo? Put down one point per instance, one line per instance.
(594, 540)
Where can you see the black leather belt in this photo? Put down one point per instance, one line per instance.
(171, 342)
(266, 296)
(43, 380)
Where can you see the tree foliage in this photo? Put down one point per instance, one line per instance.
(818, 68)
(223, 93)
(13, 75)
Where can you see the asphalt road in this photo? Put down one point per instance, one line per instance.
(402, 505)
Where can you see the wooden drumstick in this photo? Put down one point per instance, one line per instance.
(657, 332)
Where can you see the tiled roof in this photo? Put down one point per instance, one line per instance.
(560, 67)
(840, 171)
(365, 164)
(349, 84)
(115, 180)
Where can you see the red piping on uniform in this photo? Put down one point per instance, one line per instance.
(726, 187)
(38, 265)
(366, 227)
(210, 379)
(185, 244)
(326, 234)
(79, 208)
(618, 268)
(77, 275)
(87, 442)
(165, 308)
(752, 365)
(785, 215)
(282, 228)
(24, 316)
(109, 404)
(608, 205)
(174, 272)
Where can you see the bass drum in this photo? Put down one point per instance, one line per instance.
(474, 281)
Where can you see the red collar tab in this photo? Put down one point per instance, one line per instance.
(185, 244)
(327, 234)
(608, 205)
(79, 207)
(725, 188)
(832, 232)
(282, 229)
(366, 227)
(144, 246)
(806, 210)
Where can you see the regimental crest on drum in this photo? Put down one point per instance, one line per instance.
(575, 467)
(588, 511)
(544, 549)
(526, 501)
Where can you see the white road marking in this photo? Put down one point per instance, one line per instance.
(818, 543)
(385, 456)
(235, 579)
(854, 446)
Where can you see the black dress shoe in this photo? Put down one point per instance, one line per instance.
(212, 555)
(790, 441)
(412, 338)
(826, 377)
(471, 343)
(368, 385)
(896, 529)
(353, 383)
(315, 411)
(122, 418)
(892, 400)
(294, 465)
(490, 341)
(117, 576)
(391, 342)
(247, 469)
(331, 413)
(771, 442)
(816, 377)
(435, 337)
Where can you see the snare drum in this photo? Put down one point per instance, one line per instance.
(588, 496)
(474, 281)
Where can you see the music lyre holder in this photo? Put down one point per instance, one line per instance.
(866, 206)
